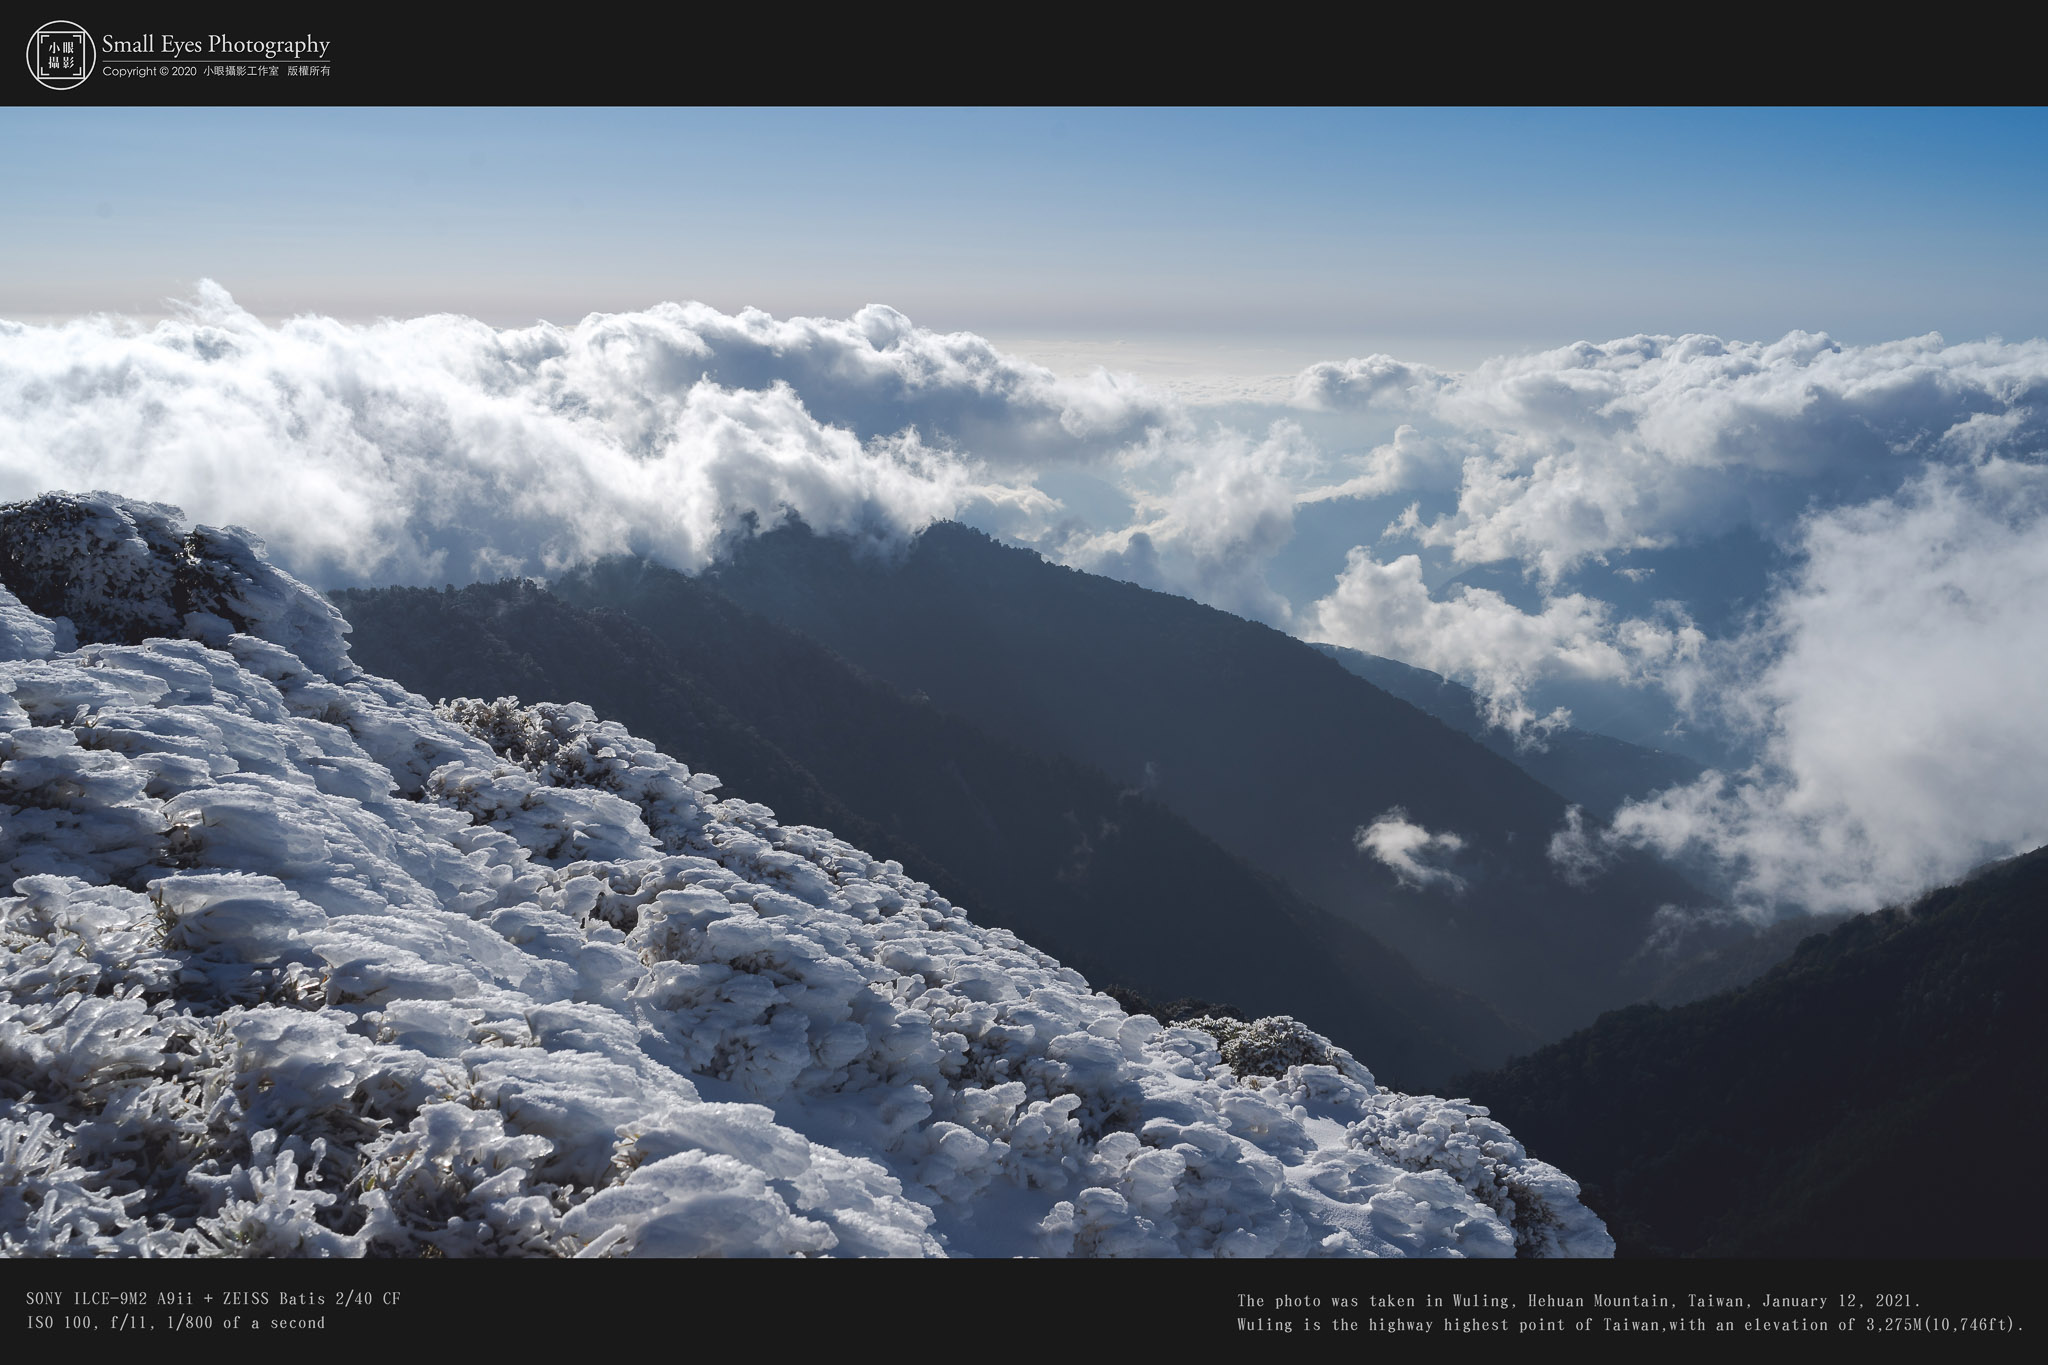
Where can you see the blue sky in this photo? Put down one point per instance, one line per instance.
(1434, 234)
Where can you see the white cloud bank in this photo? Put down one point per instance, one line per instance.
(1637, 443)
(1478, 636)
(1901, 689)
(1890, 688)
(442, 448)
(1590, 449)
(1892, 682)
(1588, 452)
(1209, 510)
(1374, 381)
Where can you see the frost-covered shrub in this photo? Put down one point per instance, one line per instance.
(294, 964)
(1266, 1047)
(117, 571)
(1537, 1201)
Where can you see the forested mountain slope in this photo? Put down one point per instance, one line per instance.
(1597, 771)
(1270, 748)
(1819, 1111)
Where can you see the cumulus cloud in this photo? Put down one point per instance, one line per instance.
(1591, 449)
(875, 373)
(1210, 509)
(1477, 635)
(1375, 381)
(440, 447)
(1899, 686)
(1412, 462)
(1411, 851)
(1887, 692)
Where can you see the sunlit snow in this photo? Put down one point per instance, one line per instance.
(293, 962)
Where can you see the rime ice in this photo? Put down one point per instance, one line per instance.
(293, 963)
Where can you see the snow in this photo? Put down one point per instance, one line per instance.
(294, 963)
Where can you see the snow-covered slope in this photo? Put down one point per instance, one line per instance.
(294, 963)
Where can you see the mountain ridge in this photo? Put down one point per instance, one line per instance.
(1262, 743)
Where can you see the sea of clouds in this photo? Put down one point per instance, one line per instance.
(1877, 694)
(1886, 689)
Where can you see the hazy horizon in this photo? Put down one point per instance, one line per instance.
(1438, 235)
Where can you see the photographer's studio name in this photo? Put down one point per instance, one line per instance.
(171, 47)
